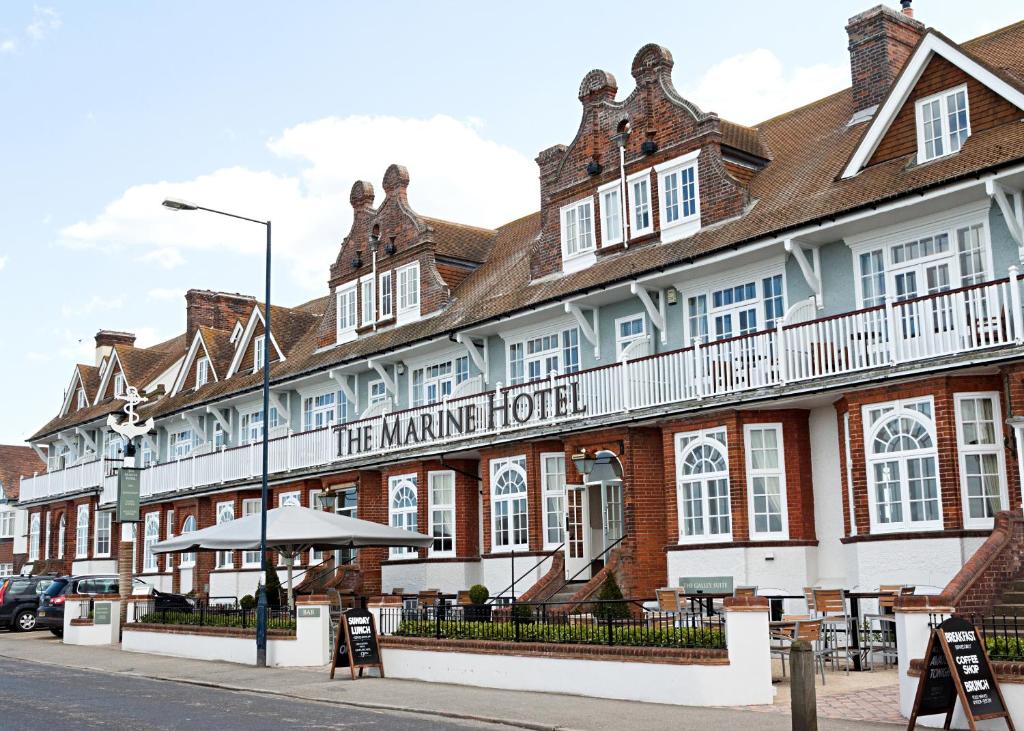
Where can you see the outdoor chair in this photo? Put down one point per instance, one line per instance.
(672, 601)
(462, 598)
(429, 600)
(809, 631)
(830, 605)
(809, 596)
(880, 628)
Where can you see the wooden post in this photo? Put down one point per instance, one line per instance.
(802, 693)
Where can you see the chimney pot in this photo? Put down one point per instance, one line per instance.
(907, 10)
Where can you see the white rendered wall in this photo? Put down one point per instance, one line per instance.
(497, 573)
(827, 473)
(96, 566)
(185, 580)
(93, 634)
(20, 532)
(449, 577)
(927, 563)
(237, 583)
(789, 569)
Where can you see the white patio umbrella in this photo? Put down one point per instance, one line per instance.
(292, 530)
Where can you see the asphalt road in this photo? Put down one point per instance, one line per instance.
(34, 696)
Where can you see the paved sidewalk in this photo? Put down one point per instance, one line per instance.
(512, 708)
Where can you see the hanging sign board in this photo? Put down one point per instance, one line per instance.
(355, 643)
(957, 666)
(129, 480)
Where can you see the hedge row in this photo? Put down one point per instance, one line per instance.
(577, 634)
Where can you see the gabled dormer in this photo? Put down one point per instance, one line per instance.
(396, 266)
(80, 390)
(648, 169)
(208, 358)
(249, 347)
(113, 381)
(942, 97)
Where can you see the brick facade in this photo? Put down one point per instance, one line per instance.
(881, 41)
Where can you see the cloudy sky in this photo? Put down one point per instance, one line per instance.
(273, 109)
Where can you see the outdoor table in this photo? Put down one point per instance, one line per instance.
(855, 597)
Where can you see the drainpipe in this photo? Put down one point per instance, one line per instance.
(620, 140)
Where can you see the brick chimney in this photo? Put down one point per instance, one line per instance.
(107, 339)
(881, 41)
(218, 310)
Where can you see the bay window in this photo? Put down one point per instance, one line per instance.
(441, 486)
(943, 123)
(766, 481)
(979, 433)
(509, 515)
(702, 487)
(402, 509)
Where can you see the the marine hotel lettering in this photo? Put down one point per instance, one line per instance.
(450, 420)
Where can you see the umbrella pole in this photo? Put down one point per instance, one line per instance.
(290, 560)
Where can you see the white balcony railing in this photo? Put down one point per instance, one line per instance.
(934, 326)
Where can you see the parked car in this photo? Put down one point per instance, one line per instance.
(19, 601)
(51, 605)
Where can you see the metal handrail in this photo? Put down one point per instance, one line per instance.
(572, 578)
(515, 580)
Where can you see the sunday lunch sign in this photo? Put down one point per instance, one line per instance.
(355, 643)
(957, 666)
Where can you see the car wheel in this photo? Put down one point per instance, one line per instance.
(25, 621)
(58, 633)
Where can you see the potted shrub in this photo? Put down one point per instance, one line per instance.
(478, 610)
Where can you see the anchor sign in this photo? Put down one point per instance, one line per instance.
(130, 428)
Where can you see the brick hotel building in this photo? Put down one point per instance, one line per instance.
(803, 341)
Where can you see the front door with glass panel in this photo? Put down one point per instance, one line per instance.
(611, 513)
(577, 532)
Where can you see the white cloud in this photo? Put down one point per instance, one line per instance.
(43, 21)
(8, 45)
(35, 357)
(455, 173)
(96, 304)
(166, 293)
(755, 86)
(3, 264)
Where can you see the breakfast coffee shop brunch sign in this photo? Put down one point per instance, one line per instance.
(501, 409)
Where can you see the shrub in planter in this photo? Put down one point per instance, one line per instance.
(478, 594)
(479, 610)
(247, 602)
(609, 608)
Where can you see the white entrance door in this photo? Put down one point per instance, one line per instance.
(577, 533)
(611, 512)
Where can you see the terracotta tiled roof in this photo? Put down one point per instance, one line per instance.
(742, 138)
(460, 241)
(16, 461)
(220, 349)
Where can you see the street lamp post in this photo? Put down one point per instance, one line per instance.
(261, 600)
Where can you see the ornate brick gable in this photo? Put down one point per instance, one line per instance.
(659, 119)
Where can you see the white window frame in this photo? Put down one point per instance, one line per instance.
(387, 295)
(684, 442)
(684, 225)
(379, 398)
(518, 465)
(631, 181)
(449, 507)
(367, 300)
(942, 98)
(707, 287)
(408, 294)
(317, 414)
(553, 494)
(118, 384)
(34, 523)
(251, 506)
(583, 256)
(104, 527)
(62, 527)
(610, 234)
(346, 300)
(995, 448)
(179, 447)
(621, 343)
(82, 531)
(151, 535)
(202, 371)
(80, 399)
(778, 472)
(444, 383)
(224, 559)
(258, 352)
(888, 410)
(250, 434)
(398, 517)
(188, 560)
(6, 523)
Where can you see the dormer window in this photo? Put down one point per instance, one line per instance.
(409, 290)
(258, 352)
(639, 188)
(610, 199)
(680, 199)
(347, 310)
(386, 307)
(943, 123)
(202, 372)
(80, 401)
(366, 294)
(118, 385)
(577, 228)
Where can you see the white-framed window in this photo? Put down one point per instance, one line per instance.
(347, 319)
(169, 522)
(318, 410)
(225, 514)
(251, 506)
(33, 537)
(148, 453)
(402, 509)
(188, 560)
(628, 330)
(577, 228)
(378, 392)
(541, 356)
(180, 443)
(441, 486)
(259, 352)
(766, 481)
(251, 426)
(47, 524)
(113, 446)
(756, 303)
(104, 520)
(702, 486)
(680, 196)
(432, 383)
(872, 278)
(80, 399)
(386, 296)
(509, 513)
(943, 123)
(552, 466)
(62, 528)
(202, 371)
(610, 199)
(902, 466)
(979, 438)
(82, 532)
(368, 304)
(118, 384)
(220, 437)
(638, 188)
(409, 288)
(151, 536)
(6, 523)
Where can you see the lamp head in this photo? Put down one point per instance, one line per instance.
(328, 500)
(176, 204)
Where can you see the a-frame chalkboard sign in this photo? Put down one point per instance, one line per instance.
(355, 643)
(957, 666)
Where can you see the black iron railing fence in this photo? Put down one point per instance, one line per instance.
(595, 622)
(213, 615)
(1003, 634)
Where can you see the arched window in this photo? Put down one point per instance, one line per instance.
(61, 532)
(902, 466)
(402, 508)
(225, 514)
(702, 486)
(509, 519)
(188, 560)
(33, 538)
